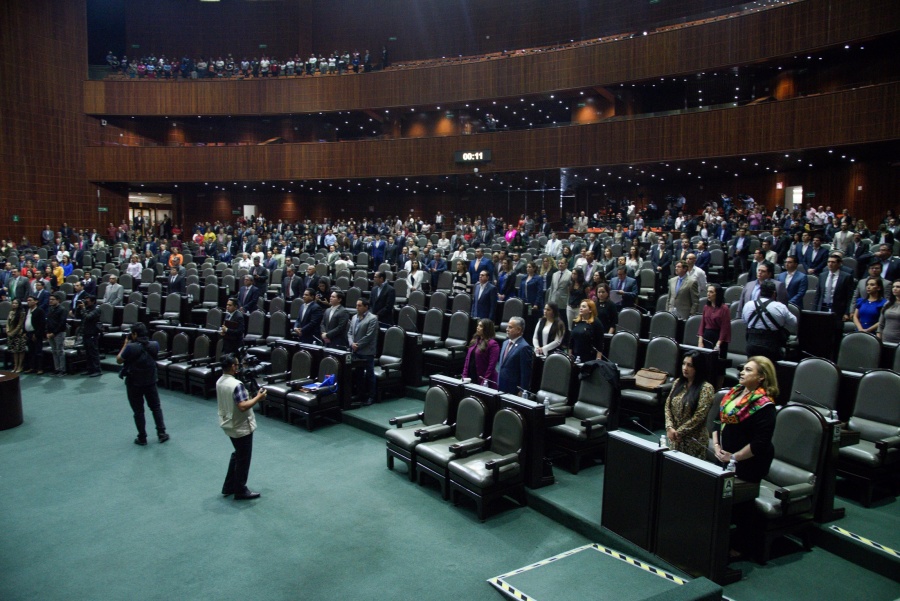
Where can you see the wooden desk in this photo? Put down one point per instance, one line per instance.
(10, 401)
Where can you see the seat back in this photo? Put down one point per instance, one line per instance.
(276, 304)
(256, 324)
(508, 432)
(439, 300)
(361, 282)
(107, 312)
(201, 347)
(799, 434)
(555, 379)
(595, 396)
(630, 320)
(738, 344)
(301, 365)
(393, 346)
(279, 360)
(513, 307)
(470, 419)
(662, 302)
(401, 287)
(876, 414)
(329, 366)
(407, 319)
(733, 293)
(173, 303)
(154, 302)
(278, 325)
(213, 319)
(130, 314)
(859, 351)
(691, 329)
(296, 305)
(623, 350)
(445, 280)
(416, 299)
(162, 339)
(461, 302)
(458, 332)
(353, 295)
(816, 380)
(664, 324)
(437, 406)
(662, 353)
(434, 322)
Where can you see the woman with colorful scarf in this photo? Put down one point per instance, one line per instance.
(747, 414)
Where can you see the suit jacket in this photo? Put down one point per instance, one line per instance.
(233, 337)
(816, 260)
(781, 294)
(661, 259)
(558, 288)
(383, 305)
(247, 298)
(797, 288)
(630, 290)
(483, 305)
(178, 286)
(485, 265)
(43, 299)
(335, 323)
(843, 292)
(892, 272)
(21, 291)
(295, 285)
(90, 286)
(703, 260)
(686, 301)
(364, 332)
(114, 295)
(307, 281)
(310, 322)
(514, 367)
(38, 322)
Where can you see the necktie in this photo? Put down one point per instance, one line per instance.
(678, 285)
(506, 351)
(829, 288)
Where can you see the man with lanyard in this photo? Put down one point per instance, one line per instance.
(237, 420)
(364, 344)
(138, 355)
(767, 320)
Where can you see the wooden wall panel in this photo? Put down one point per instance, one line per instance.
(858, 116)
(776, 32)
(42, 162)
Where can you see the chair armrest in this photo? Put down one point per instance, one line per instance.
(297, 384)
(203, 361)
(794, 492)
(885, 444)
(495, 465)
(392, 367)
(179, 358)
(597, 420)
(405, 419)
(278, 377)
(463, 448)
(561, 409)
(434, 432)
(461, 348)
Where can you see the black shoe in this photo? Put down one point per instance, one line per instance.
(226, 493)
(60, 374)
(246, 495)
(163, 437)
(96, 374)
(140, 441)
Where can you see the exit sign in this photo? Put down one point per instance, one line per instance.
(102, 209)
(15, 219)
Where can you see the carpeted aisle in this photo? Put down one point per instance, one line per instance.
(86, 514)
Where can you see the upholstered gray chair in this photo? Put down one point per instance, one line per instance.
(512, 307)
(402, 440)
(433, 329)
(662, 353)
(816, 384)
(177, 372)
(587, 421)
(787, 495)
(630, 321)
(279, 326)
(279, 384)
(875, 459)
(408, 318)
(451, 356)
(623, 352)
(487, 470)
(858, 352)
(555, 380)
(180, 351)
(205, 374)
(389, 366)
(320, 403)
(433, 453)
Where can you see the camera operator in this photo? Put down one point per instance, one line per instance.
(138, 355)
(237, 420)
(89, 314)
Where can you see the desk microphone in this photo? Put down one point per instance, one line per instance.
(830, 411)
(319, 340)
(525, 394)
(635, 421)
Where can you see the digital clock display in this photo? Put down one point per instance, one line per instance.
(472, 156)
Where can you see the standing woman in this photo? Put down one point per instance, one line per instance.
(462, 280)
(715, 325)
(634, 260)
(747, 416)
(607, 313)
(597, 279)
(867, 313)
(550, 331)
(568, 256)
(483, 355)
(548, 268)
(506, 281)
(608, 263)
(15, 331)
(586, 340)
(687, 407)
(889, 324)
(577, 293)
(415, 276)
(531, 291)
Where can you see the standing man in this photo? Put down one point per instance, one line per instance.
(767, 320)
(661, 258)
(484, 297)
(290, 286)
(248, 295)
(558, 287)
(479, 264)
(684, 293)
(336, 322)
(232, 330)
(237, 420)
(382, 299)
(835, 291)
(364, 345)
(309, 321)
(35, 325)
(138, 355)
(56, 332)
(89, 313)
(115, 293)
(796, 283)
(516, 356)
(764, 271)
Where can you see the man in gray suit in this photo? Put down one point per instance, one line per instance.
(17, 286)
(364, 344)
(684, 293)
(764, 271)
(115, 293)
(558, 287)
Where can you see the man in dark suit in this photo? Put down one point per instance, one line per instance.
(248, 296)
(817, 257)
(796, 282)
(89, 283)
(335, 322)
(436, 267)
(176, 282)
(516, 357)
(382, 299)
(740, 251)
(764, 271)
(483, 238)
(628, 287)
(661, 257)
(291, 285)
(310, 280)
(481, 263)
(835, 291)
(35, 333)
(260, 276)
(484, 296)
(703, 257)
(890, 266)
(43, 296)
(309, 321)
(781, 243)
(232, 327)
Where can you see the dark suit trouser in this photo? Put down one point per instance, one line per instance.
(136, 397)
(35, 352)
(239, 466)
(92, 354)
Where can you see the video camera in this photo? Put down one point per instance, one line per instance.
(250, 368)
